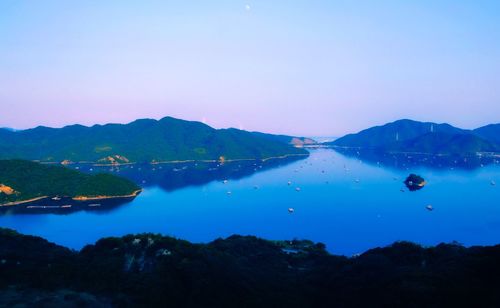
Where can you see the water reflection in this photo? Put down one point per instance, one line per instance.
(65, 206)
(348, 205)
(173, 176)
(407, 161)
(167, 176)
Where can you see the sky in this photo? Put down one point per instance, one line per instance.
(311, 67)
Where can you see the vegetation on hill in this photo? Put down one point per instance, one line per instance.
(27, 180)
(140, 141)
(442, 143)
(150, 270)
(489, 132)
(419, 137)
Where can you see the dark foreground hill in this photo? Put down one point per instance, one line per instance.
(22, 180)
(149, 270)
(140, 141)
(424, 137)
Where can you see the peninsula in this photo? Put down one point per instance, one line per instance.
(24, 181)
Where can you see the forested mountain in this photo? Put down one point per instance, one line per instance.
(413, 136)
(140, 141)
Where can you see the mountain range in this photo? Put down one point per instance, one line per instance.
(144, 140)
(424, 137)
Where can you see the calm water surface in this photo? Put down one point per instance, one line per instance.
(347, 203)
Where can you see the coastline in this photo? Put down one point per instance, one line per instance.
(23, 201)
(96, 164)
(84, 198)
(77, 198)
(486, 154)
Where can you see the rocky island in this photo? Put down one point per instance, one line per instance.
(414, 182)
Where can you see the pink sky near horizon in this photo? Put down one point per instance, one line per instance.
(291, 67)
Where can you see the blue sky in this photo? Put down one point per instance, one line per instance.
(296, 67)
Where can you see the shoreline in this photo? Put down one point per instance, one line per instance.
(485, 154)
(77, 198)
(23, 201)
(84, 198)
(96, 164)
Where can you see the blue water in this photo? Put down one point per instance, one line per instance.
(331, 207)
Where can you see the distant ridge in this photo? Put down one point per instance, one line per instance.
(490, 132)
(143, 140)
(292, 140)
(425, 137)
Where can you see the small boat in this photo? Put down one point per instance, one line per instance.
(493, 183)
(291, 210)
(429, 207)
(229, 192)
(402, 190)
(289, 183)
(256, 187)
(56, 198)
(225, 181)
(66, 206)
(356, 181)
(297, 188)
(94, 204)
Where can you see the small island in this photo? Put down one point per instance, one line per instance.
(414, 182)
(24, 181)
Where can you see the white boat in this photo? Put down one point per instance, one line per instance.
(225, 181)
(94, 204)
(297, 188)
(289, 183)
(291, 210)
(429, 208)
(229, 192)
(66, 206)
(56, 198)
(493, 183)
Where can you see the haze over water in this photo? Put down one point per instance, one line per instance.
(332, 207)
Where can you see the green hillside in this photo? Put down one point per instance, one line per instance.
(140, 141)
(413, 136)
(489, 132)
(24, 180)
